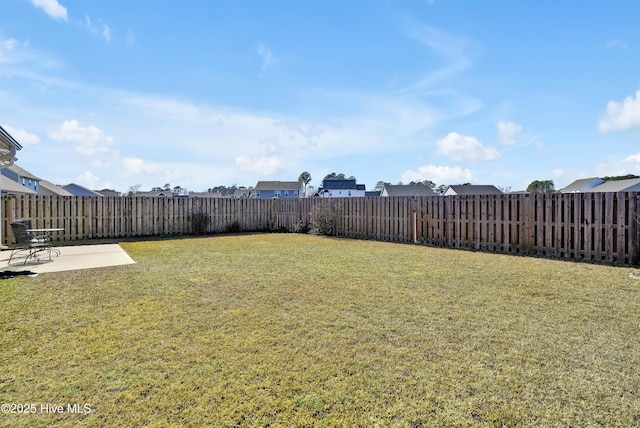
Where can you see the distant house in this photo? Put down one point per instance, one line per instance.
(10, 187)
(242, 193)
(629, 185)
(372, 193)
(407, 190)
(278, 189)
(49, 189)
(155, 194)
(472, 189)
(23, 177)
(582, 185)
(108, 192)
(78, 190)
(341, 189)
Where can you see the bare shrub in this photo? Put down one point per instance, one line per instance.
(301, 227)
(233, 227)
(325, 218)
(200, 221)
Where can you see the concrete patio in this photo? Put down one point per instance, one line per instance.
(70, 258)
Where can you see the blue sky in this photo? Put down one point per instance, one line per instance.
(110, 94)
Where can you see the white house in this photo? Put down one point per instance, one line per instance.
(341, 189)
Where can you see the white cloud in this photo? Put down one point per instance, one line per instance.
(21, 136)
(262, 166)
(439, 175)
(88, 140)
(51, 8)
(268, 59)
(558, 173)
(462, 148)
(508, 132)
(136, 166)
(621, 116)
(87, 179)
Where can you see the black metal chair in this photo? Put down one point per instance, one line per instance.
(27, 224)
(26, 241)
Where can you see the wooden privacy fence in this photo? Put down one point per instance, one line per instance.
(601, 227)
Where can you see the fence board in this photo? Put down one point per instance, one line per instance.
(592, 226)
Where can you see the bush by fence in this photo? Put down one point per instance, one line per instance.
(599, 227)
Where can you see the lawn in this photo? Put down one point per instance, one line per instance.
(297, 330)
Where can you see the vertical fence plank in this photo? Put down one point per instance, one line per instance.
(622, 253)
(585, 226)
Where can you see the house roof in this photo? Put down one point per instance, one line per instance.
(278, 185)
(7, 185)
(407, 190)
(242, 192)
(582, 185)
(73, 186)
(22, 172)
(629, 185)
(342, 185)
(108, 192)
(8, 148)
(162, 193)
(51, 188)
(475, 189)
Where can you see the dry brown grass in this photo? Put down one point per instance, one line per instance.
(292, 330)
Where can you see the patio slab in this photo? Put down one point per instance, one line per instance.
(71, 258)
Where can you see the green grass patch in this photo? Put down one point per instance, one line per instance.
(296, 330)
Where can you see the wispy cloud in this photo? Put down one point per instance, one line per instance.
(462, 148)
(266, 165)
(440, 175)
(616, 43)
(106, 32)
(135, 166)
(51, 8)
(268, 59)
(99, 28)
(131, 40)
(621, 166)
(508, 132)
(621, 116)
(454, 51)
(13, 51)
(92, 181)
